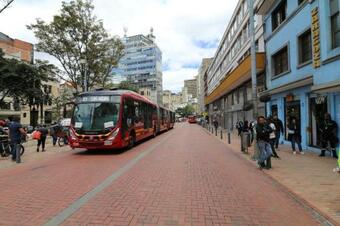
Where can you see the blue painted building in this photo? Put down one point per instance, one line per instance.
(302, 62)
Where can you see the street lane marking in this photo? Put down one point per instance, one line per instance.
(76, 205)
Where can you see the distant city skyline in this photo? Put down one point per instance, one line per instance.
(186, 31)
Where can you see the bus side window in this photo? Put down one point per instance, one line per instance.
(128, 113)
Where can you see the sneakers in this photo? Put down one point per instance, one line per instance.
(302, 153)
(294, 152)
(37, 149)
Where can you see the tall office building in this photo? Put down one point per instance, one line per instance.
(141, 64)
(191, 85)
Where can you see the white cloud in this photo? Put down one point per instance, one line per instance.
(179, 26)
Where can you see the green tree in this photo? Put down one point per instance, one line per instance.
(78, 40)
(60, 104)
(186, 111)
(23, 81)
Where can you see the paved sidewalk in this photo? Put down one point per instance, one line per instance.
(308, 176)
(184, 177)
(31, 153)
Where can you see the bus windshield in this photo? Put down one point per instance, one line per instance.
(96, 117)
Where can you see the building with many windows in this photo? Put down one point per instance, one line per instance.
(191, 86)
(228, 79)
(303, 60)
(200, 84)
(141, 64)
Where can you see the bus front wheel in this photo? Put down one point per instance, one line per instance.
(132, 141)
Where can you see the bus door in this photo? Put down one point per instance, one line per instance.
(127, 117)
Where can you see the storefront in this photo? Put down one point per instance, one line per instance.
(317, 108)
(292, 111)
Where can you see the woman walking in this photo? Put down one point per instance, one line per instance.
(43, 130)
(294, 135)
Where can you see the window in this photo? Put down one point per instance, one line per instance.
(280, 61)
(5, 105)
(305, 47)
(335, 23)
(279, 14)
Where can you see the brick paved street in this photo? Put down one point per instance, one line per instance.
(183, 177)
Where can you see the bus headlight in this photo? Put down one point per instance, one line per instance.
(113, 135)
(73, 135)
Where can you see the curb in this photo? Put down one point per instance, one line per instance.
(314, 211)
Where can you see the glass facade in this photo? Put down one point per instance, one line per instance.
(141, 64)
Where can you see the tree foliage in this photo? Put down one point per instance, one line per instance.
(60, 102)
(23, 81)
(78, 40)
(186, 111)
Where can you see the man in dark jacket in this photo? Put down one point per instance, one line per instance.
(278, 130)
(263, 131)
(328, 130)
(16, 132)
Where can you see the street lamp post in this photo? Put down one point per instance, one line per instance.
(253, 57)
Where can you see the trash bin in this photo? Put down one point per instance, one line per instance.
(245, 141)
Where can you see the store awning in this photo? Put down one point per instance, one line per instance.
(289, 86)
(332, 87)
(239, 75)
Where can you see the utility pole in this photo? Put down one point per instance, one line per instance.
(253, 57)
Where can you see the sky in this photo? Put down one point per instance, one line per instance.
(186, 30)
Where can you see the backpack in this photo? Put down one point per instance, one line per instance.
(36, 135)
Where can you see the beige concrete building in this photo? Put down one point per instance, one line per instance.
(146, 92)
(200, 84)
(191, 86)
(172, 101)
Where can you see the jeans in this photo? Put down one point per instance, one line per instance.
(265, 151)
(296, 140)
(277, 139)
(16, 152)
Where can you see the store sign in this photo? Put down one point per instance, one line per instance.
(316, 38)
(320, 99)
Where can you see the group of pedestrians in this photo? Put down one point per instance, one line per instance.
(16, 134)
(267, 133)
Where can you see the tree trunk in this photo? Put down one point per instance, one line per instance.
(42, 113)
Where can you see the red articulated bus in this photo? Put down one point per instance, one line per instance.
(113, 119)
